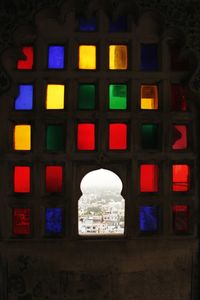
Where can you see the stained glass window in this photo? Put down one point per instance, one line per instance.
(179, 137)
(26, 63)
(55, 138)
(21, 179)
(117, 136)
(180, 177)
(54, 220)
(22, 137)
(56, 57)
(54, 179)
(86, 136)
(149, 97)
(87, 57)
(24, 100)
(149, 57)
(117, 96)
(180, 218)
(148, 218)
(21, 221)
(55, 96)
(150, 136)
(87, 24)
(118, 24)
(86, 96)
(118, 57)
(149, 178)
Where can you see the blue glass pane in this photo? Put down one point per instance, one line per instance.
(148, 218)
(120, 24)
(56, 57)
(53, 220)
(149, 57)
(87, 24)
(24, 101)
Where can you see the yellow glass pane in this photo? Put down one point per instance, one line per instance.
(87, 57)
(118, 58)
(149, 97)
(55, 96)
(22, 137)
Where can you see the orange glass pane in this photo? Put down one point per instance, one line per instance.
(149, 97)
(180, 178)
(148, 178)
(22, 137)
(87, 57)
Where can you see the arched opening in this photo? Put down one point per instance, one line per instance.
(101, 208)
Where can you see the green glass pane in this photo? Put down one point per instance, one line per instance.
(117, 96)
(86, 96)
(149, 136)
(54, 138)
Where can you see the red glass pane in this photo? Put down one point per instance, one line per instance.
(149, 178)
(22, 179)
(27, 62)
(21, 221)
(117, 136)
(54, 178)
(86, 136)
(178, 98)
(180, 178)
(180, 218)
(179, 137)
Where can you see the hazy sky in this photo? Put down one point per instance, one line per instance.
(101, 180)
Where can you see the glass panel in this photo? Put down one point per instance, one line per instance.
(22, 137)
(117, 137)
(149, 97)
(54, 138)
(86, 96)
(178, 98)
(55, 96)
(148, 218)
(117, 96)
(119, 24)
(87, 57)
(87, 24)
(149, 57)
(24, 100)
(118, 57)
(179, 137)
(149, 178)
(86, 136)
(180, 218)
(21, 221)
(54, 221)
(149, 136)
(54, 179)
(56, 57)
(22, 179)
(27, 62)
(180, 178)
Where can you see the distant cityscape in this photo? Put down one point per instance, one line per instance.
(101, 213)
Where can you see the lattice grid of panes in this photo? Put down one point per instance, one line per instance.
(120, 115)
